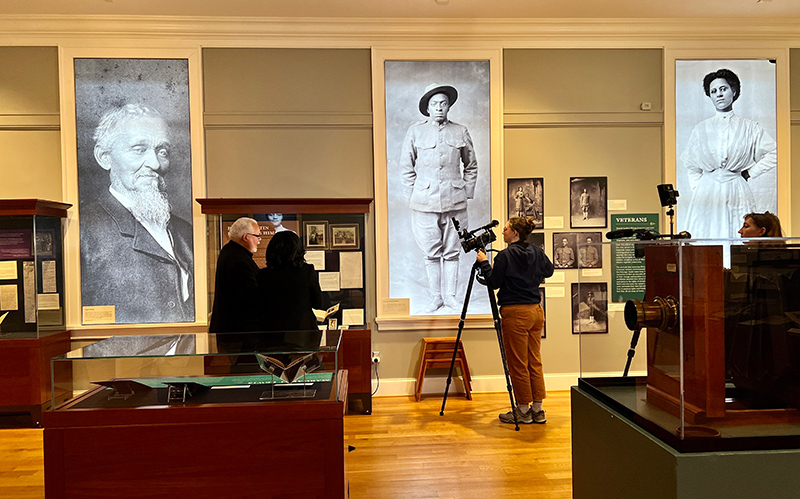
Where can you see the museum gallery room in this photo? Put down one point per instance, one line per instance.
(417, 249)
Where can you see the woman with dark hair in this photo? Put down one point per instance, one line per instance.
(518, 272)
(761, 225)
(723, 153)
(289, 287)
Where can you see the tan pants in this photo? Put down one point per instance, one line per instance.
(522, 338)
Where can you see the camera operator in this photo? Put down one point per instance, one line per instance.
(518, 271)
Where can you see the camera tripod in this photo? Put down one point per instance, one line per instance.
(473, 276)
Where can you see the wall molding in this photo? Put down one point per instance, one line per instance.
(363, 32)
(51, 121)
(551, 120)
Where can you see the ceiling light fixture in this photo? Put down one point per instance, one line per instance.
(442, 2)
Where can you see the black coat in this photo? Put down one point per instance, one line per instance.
(287, 296)
(123, 265)
(236, 304)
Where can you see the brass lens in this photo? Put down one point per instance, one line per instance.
(662, 313)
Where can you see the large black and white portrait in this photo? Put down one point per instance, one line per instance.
(135, 189)
(437, 147)
(588, 202)
(565, 250)
(725, 129)
(526, 199)
(590, 251)
(589, 307)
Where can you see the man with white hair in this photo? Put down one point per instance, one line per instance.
(136, 256)
(235, 308)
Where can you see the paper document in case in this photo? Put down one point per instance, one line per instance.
(322, 315)
(291, 372)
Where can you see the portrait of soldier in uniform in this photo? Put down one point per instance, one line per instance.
(437, 115)
(439, 170)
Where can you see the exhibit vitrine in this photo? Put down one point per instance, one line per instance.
(195, 369)
(333, 232)
(696, 341)
(199, 414)
(31, 301)
(31, 267)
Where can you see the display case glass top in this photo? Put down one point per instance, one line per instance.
(136, 371)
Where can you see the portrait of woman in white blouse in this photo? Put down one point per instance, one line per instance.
(724, 154)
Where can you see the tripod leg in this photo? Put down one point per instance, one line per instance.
(458, 337)
(631, 351)
(499, 330)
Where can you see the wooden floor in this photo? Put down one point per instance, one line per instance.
(406, 450)
(21, 464)
(403, 450)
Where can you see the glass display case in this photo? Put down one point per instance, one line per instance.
(31, 267)
(194, 369)
(199, 415)
(32, 315)
(334, 235)
(696, 341)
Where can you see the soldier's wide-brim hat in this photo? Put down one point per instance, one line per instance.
(433, 89)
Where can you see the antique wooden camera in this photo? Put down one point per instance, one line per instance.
(685, 280)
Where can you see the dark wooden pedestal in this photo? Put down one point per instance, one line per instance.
(266, 449)
(25, 384)
(355, 355)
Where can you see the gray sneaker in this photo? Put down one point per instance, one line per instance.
(538, 417)
(522, 418)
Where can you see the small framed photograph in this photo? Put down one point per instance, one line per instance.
(526, 199)
(344, 236)
(589, 307)
(565, 250)
(588, 202)
(590, 251)
(333, 324)
(315, 235)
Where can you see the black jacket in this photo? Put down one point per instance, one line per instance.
(122, 265)
(236, 305)
(518, 271)
(287, 295)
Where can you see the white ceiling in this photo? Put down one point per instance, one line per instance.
(473, 9)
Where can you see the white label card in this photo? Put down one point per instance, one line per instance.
(553, 222)
(352, 317)
(105, 314)
(317, 259)
(329, 281)
(617, 205)
(350, 269)
(8, 297)
(395, 307)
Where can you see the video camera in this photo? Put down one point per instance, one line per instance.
(469, 241)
